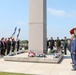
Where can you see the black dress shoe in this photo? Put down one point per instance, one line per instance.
(73, 69)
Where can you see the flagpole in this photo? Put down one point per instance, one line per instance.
(18, 33)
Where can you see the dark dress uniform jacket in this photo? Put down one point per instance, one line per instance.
(13, 46)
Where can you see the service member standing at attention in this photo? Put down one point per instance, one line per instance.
(2, 46)
(51, 43)
(5, 48)
(65, 45)
(8, 46)
(18, 45)
(13, 45)
(58, 43)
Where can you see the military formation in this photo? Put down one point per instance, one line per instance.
(58, 44)
(66, 45)
(8, 46)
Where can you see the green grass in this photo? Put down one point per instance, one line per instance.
(6, 73)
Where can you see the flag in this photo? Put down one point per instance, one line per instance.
(18, 32)
(14, 31)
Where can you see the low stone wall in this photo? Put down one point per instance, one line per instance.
(33, 59)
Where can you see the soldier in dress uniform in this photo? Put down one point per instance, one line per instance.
(18, 44)
(8, 46)
(58, 43)
(13, 45)
(65, 45)
(5, 42)
(2, 46)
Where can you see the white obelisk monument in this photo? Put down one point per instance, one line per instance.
(38, 26)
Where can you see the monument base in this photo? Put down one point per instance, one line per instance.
(24, 58)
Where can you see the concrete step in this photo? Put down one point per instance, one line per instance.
(24, 58)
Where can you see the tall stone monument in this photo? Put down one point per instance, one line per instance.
(38, 26)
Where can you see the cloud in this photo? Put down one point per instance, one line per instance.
(60, 13)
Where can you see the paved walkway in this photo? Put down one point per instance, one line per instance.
(63, 68)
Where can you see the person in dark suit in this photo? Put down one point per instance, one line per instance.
(58, 43)
(51, 43)
(2, 46)
(65, 45)
(8, 46)
(73, 51)
(18, 45)
(5, 48)
(69, 45)
(13, 45)
(47, 43)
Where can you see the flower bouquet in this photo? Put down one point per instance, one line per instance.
(40, 55)
(31, 54)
